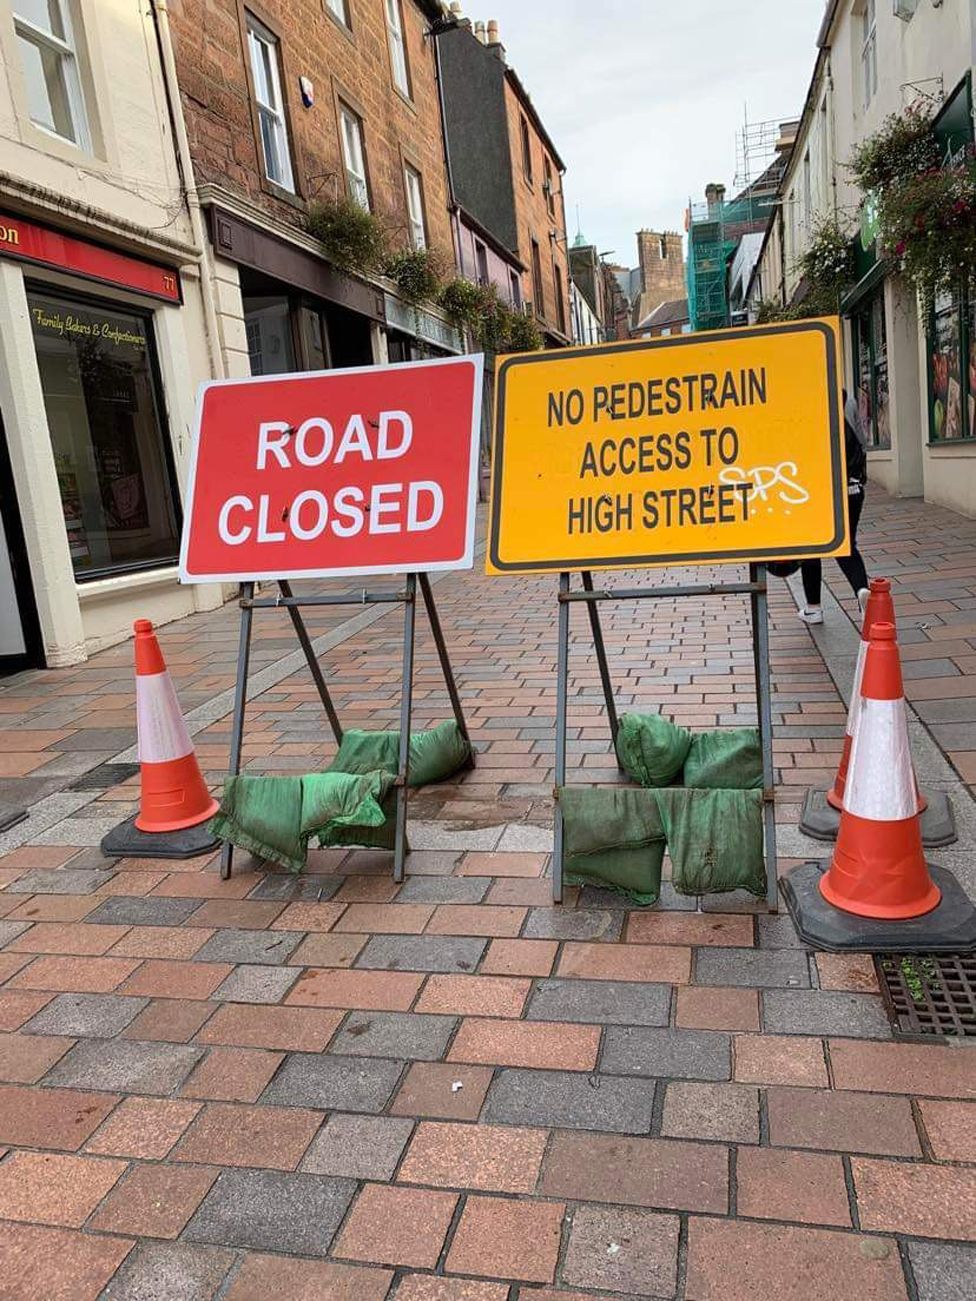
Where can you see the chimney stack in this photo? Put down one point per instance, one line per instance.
(479, 31)
(493, 31)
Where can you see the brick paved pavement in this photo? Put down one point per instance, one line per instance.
(450, 1091)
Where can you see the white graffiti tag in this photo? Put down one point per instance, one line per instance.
(765, 478)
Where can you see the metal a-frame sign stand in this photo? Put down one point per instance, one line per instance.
(755, 589)
(294, 604)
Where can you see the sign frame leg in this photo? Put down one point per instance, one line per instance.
(596, 628)
(433, 617)
(318, 677)
(562, 693)
(406, 706)
(245, 596)
(759, 608)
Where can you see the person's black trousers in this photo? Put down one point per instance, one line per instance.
(852, 566)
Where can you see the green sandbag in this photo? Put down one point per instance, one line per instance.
(729, 759)
(434, 755)
(612, 837)
(275, 817)
(715, 839)
(650, 749)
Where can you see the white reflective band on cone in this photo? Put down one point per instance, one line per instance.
(852, 713)
(880, 781)
(162, 732)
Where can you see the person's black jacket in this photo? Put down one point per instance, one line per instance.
(857, 457)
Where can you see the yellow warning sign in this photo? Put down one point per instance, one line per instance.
(721, 446)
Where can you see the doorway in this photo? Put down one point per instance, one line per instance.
(20, 634)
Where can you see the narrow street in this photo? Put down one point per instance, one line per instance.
(330, 1086)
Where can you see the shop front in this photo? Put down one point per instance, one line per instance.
(91, 515)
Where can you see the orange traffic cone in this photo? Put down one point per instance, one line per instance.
(879, 609)
(174, 799)
(879, 869)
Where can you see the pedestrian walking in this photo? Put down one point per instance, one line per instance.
(852, 566)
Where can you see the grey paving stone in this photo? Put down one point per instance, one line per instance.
(125, 1066)
(422, 953)
(727, 1112)
(622, 1250)
(444, 889)
(600, 1002)
(264, 948)
(302, 889)
(251, 984)
(666, 1054)
(60, 881)
(99, 738)
(270, 1211)
(325, 1082)
(752, 968)
(96, 1016)
(776, 931)
(824, 1012)
(928, 669)
(573, 924)
(409, 1035)
(358, 1147)
(122, 910)
(943, 1271)
(170, 1271)
(571, 1100)
(10, 930)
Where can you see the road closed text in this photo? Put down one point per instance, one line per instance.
(346, 511)
(359, 471)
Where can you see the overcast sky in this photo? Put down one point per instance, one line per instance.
(643, 99)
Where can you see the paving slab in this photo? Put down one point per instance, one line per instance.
(272, 1211)
(824, 1012)
(571, 1100)
(341, 1083)
(125, 1065)
(394, 1034)
(667, 1054)
(600, 1002)
(439, 953)
(98, 1016)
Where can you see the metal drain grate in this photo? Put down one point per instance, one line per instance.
(928, 994)
(104, 776)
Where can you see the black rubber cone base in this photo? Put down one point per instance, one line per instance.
(9, 817)
(949, 928)
(127, 841)
(821, 821)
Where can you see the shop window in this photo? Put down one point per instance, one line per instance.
(270, 343)
(398, 47)
(50, 64)
(266, 75)
(415, 206)
(952, 368)
(871, 360)
(102, 397)
(354, 156)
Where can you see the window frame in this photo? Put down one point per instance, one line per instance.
(347, 112)
(341, 14)
(396, 40)
(526, 148)
(548, 185)
(256, 31)
(66, 49)
(557, 280)
(415, 220)
(869, 52)
(54, 289)
(515, 289)
(538, 288)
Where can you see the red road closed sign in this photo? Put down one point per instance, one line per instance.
(362, 471)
